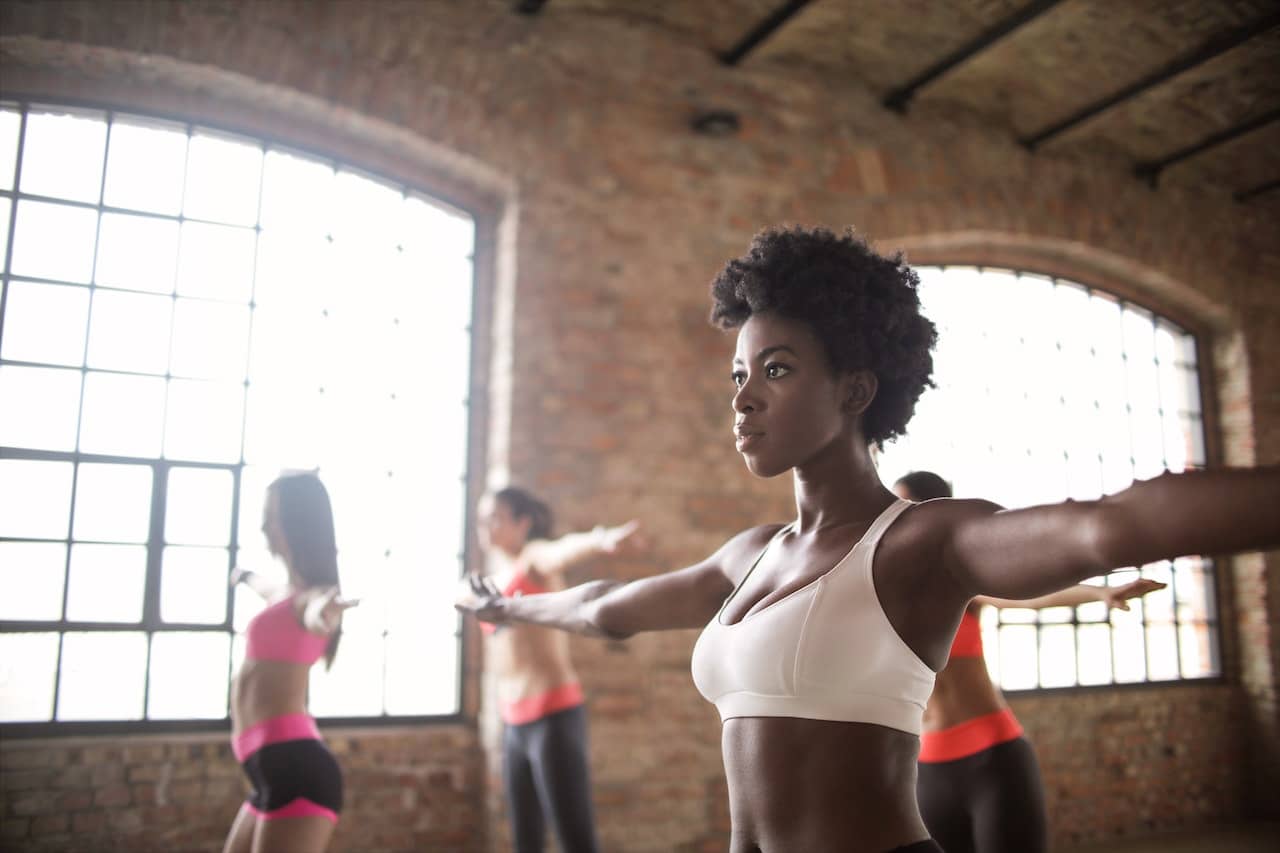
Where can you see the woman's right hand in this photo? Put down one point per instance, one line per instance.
(481, 597)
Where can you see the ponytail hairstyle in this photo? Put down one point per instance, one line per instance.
(524, 505)
(924, 485)
(306, 518)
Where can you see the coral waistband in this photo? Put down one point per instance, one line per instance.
(532, 708)
(300, 807)
(274, 730)
(970, 737)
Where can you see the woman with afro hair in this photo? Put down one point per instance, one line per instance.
(822, 635)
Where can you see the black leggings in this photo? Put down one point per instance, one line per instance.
(989, 802)
(547, 780)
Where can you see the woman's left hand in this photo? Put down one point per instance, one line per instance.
(625, 538)
(331, 608)
(1118, 596)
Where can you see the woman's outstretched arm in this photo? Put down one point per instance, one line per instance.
(1073, 596)
(686, 598)
(550, 556)
(1025, 553)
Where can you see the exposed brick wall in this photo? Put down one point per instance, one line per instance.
(405, 790)
(608, 392)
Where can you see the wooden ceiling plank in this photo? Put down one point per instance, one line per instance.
(1216, 46)
(898, 99)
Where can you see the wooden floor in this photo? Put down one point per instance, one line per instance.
(1251, 838)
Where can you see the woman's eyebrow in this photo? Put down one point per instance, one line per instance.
(766, 352)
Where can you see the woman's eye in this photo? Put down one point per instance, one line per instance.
(738, 378)
(774, 371)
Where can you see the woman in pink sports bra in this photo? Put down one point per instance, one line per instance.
(545, 768)
(979, 787)
(295, 782)
(820, 638)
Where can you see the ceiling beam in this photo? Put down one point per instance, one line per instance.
(1253, 192)
(1150, 171)
(1211, 49)
(762, 31)
(898, 99)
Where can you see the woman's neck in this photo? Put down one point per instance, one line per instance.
(839, 487)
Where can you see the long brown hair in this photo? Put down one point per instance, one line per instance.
(306, 519)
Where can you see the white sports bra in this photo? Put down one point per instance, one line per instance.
(824, 652)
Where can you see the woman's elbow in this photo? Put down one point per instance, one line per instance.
(605, 615)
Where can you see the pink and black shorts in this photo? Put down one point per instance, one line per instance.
(292, 772)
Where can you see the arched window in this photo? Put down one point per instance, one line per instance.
(1049, 390)
(185, 313)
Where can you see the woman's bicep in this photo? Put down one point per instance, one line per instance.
(1023, 553)
(685, 598)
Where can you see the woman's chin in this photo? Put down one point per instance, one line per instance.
(763, 468)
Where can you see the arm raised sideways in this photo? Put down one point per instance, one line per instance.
(1025, 553)
(685, 598)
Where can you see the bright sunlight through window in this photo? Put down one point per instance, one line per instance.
(185, 313)
(1049, 390)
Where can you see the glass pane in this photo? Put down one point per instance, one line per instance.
(1094, 654)
(1162, 652)
(63, 153)
(54, 241)
(365, 211)
(422, 673)
(216, 262)
(145, 162)
(130, 331)
(222, 179)
(28, 664)
(1157, 606)
(45, 323)
(40, 405)
(1128, 645)
(1017, 657)
(210, 340)
(353, 688)
(6, 208)
(297, 193)
(189, 675)
(103, 676)
(137, 253)
(1194, 590)
(10, 124)
(193, 586)
(122, 415)
(35, 499)
(204, 421)
(1198, 650)
(274, 433)
(199, 507)
(431, 228)
(1057, 656)
(32, 574)
(107, 583)
(113, 503)
(293, 274)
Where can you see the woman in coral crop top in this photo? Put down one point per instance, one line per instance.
(821, 636)
(295, 782)
(979, 786)
(544, 749)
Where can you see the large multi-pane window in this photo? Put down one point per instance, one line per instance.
(1048, 390)
(185, 313)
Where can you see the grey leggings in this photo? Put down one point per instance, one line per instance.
(548, 781)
